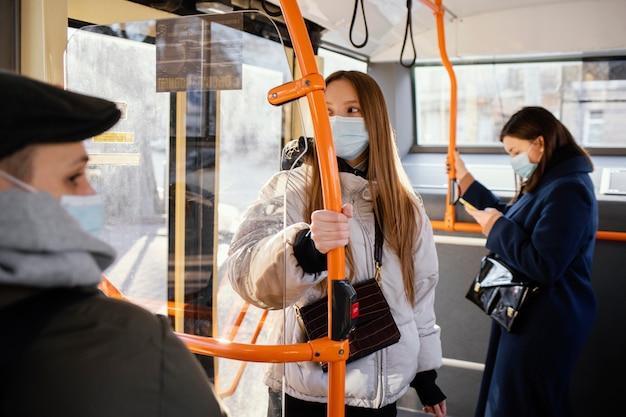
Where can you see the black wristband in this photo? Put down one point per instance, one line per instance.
(309, 258)
(426, 388)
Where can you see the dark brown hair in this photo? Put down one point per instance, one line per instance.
(531, 122)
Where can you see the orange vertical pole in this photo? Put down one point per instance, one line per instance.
(439, 12)
(329, 177)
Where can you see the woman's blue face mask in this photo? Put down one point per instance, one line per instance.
(87, 210)
(349, 136)
(521, 164)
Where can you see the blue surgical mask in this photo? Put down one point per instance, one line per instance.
(522, 165)
(349, 136)
(88, 210)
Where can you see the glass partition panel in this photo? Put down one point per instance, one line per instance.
(196, 142)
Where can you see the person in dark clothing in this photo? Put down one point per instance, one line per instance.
(548, 235)
(67, 349)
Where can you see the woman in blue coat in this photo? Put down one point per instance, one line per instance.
(547, 233)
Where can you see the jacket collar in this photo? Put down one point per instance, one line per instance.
(345, 167)
(41, 245)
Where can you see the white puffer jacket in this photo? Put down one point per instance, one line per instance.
(262, 268)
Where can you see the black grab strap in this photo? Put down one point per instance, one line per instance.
(21, 323)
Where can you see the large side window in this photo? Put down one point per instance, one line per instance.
(587, 95)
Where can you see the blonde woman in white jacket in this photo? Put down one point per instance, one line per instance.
(273, 264)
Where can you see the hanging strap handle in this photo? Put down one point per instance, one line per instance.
(356, 6)
(408, 30)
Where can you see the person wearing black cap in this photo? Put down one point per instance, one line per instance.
(67, 349)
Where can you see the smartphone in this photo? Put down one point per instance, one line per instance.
(466, 204)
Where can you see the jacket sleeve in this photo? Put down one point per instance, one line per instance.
(481, 197)
(426, 278)
(549, 233)
(426, 387)
(262, 267)
(309, 258)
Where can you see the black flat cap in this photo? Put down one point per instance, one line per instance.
(35, 112)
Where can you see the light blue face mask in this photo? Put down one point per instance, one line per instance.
(522, 165)
(88, 210)
(349, 136)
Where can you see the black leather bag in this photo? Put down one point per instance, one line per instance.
(497, 291)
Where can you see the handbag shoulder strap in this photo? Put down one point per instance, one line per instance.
(378, 249)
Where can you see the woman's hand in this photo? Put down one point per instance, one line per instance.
(330, 229)
(439, 410)
(486, 218)
(459, 166)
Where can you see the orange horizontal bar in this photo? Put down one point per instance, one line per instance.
(109, 289)
(474, 227)
(295, 89)
(456, 226)
(319, 350)
(189, 311)
(603, 235)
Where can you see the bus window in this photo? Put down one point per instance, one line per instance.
(587, 95)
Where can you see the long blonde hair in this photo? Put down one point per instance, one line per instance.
(390, 186)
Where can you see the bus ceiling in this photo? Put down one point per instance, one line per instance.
(384, 31)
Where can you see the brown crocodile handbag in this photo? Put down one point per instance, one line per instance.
(375, 328)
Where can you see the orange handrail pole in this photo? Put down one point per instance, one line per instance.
(456, 226)
(109, 289)
(475, 227)
(450, 213)
(239, 320)
(604, 235)
(253, 340)
(322, 350)
(432, 5)
(331, 190)
(439, 12)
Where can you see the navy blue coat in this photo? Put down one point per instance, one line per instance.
(549, 236)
